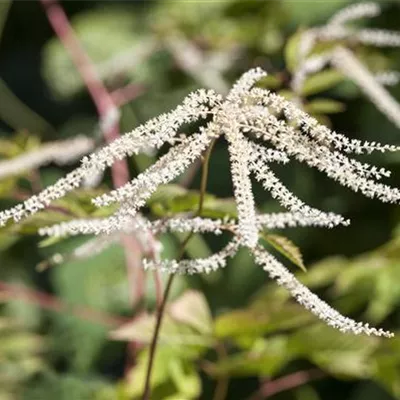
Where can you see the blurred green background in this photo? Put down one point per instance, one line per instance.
(54, 339)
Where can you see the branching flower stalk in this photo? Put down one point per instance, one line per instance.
(161, 309)
(261, 128)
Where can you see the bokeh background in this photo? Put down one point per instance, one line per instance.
(54, 332)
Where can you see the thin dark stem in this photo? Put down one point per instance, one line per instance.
(221, 388)
(153, 345)
(161, 308)
(204, 177)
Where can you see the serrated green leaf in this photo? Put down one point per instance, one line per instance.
(321, 81)
(286, 247)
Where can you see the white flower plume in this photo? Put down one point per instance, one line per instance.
(309, 300)
(343, 59)
(355, 11)
(282, 132)
(246, 112)
(269, 263)
(153, 134)
(60, 152)
(346, 62)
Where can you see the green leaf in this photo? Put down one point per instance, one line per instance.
(386, 365)
(7, 186)
(286, 247)
(312, 12)
(172, 199)
(258, 320)
(340, 354)
(321, 81)
(196, 247)
(386, 296)
(98, 283)
(192, 309)
(324, 272)
(184, 376)
(64, 386)
(179, 336)
(324, 106)
(292, 51)
(173, 377)
(271, 81)
(266, 358)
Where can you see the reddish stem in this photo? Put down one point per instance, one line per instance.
(270, 388)
(126, 94)
(107, 109)
(65, 33)
(100, 96)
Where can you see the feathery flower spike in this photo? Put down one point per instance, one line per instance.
(61, 152)
(309, 300)
(246, 112)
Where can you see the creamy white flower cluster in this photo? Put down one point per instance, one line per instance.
(153, 134)
(282, 131)
(60, 152)
(337, 28)
(345, 61)
(310, 300)
(215, 226)
(355, 11)
(246, 112)
(389, 78)
(269, 263)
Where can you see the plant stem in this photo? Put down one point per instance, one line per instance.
(287, 382)
(106, 109)
(161, 308)
(221, 388)
(153, 345)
